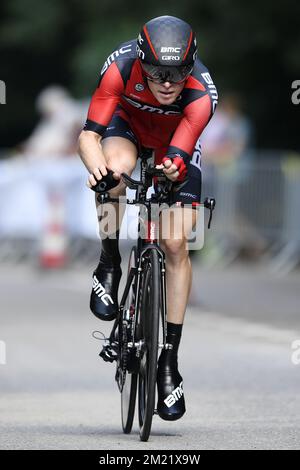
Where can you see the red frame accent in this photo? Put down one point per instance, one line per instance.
(151, 228)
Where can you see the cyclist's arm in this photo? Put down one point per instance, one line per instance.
(196, 117)
(101, 109)
(90, 151)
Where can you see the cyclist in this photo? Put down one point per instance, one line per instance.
(153, 92)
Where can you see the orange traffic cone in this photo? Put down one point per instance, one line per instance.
(54, 241)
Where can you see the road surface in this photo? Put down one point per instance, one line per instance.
(241, 387)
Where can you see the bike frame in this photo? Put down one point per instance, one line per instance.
(150, 227)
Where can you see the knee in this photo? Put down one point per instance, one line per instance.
(121, 159)
(124, 164)
(175, 248)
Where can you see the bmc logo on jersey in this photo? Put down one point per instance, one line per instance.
(110, 59)
(150, 109)
(212, 89)
(139, 52)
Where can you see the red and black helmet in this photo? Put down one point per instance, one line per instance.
(167, 48)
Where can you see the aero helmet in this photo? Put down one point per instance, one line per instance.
(167, 49)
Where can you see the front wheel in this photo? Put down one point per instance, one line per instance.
(148, 323)
(128, 394)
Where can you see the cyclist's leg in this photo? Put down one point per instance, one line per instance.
(120, 151)
(176, 225)
(119, 145)
(174, 243)
(121, 156)
(179, 222)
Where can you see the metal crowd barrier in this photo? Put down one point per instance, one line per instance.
(257, 208)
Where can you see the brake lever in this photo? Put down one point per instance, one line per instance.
(130, 182)
(152, 171)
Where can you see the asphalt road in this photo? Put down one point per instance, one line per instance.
(241, 387)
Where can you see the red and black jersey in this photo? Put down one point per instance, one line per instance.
(123, 85)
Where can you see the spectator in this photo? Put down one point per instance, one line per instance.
(226, 144)
(229, 135)
(61, 121)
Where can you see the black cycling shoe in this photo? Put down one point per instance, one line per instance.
(171, 404)
(104, 295)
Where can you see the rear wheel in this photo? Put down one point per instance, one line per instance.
(128, 393)
(148, 324)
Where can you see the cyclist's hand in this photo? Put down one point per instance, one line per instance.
(98, 174)
(175, 168)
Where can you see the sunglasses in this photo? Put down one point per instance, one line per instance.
(163, 73)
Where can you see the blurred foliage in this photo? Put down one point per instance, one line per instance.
(249, 47)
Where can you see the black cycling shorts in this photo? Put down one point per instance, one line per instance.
(190, 191)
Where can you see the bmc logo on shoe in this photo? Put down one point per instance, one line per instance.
(100, 291)
(174, 396)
